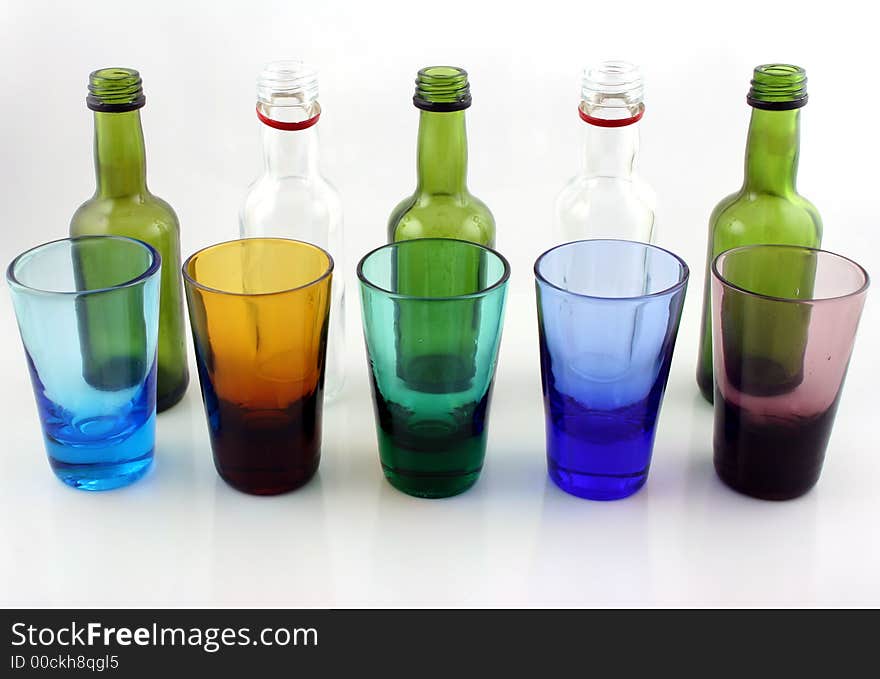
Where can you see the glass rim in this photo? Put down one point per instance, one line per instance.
(790, 300)
(207, 288)
(483, 292)
(684, 271)
(154, 265)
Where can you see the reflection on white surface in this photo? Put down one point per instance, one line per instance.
(592, 553)
(181, 537)
(269, 551)
(427, 551)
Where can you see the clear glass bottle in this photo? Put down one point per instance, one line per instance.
(292, 199)
(608, 199)
(123, 206)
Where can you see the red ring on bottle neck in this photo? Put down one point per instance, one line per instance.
(278, 125)
(617, 122)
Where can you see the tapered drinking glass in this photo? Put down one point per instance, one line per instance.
(781, 346)
(88, 313)
(432, 312)
(608, 315)
(259, 310)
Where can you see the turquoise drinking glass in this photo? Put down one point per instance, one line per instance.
(432, 312)
(88, 313)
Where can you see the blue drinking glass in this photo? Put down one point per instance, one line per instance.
(608, 315)
(88, 311)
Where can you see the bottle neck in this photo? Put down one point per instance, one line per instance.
(120, 160)
(610, 151)
(290, 153)
(442, 153)
(772, 151)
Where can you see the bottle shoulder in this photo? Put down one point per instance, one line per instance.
(585, 187)
(462, 216)
(605, 207)
(137, 216)
(294, 207)
(267, 187)
(746, 217)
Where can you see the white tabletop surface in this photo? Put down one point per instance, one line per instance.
(181, 537)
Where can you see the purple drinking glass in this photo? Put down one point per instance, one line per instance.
(784, 322)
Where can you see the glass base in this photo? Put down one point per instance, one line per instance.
(430, 486)
(268, 482)
(172, 398)
(706, 385)
(769, 457)
(596, 486)
(102, 476)
(759, 491)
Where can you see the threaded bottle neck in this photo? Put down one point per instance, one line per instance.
(115, 90)
(778, 87)
(287, 95)
(442, 89)
(287, 105)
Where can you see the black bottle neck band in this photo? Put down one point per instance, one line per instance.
(96, 104)
(776, 105)
(442, 106)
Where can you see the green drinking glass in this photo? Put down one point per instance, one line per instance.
(432, 312)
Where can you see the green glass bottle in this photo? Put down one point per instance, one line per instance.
(767, 209)
(123, 206)
(440, 207)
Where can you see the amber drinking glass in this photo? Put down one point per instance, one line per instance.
(259, 309)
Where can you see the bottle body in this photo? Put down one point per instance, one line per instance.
(604, 207)
(152, 220)
(608, 198)
(463, 217)
(310, 210)
(123, 206)
(766, 210)
(746, 218)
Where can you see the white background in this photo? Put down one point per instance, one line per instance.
(181, 537)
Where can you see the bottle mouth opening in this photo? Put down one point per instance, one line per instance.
(115, 90)
(778, 87)
(442, 88)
